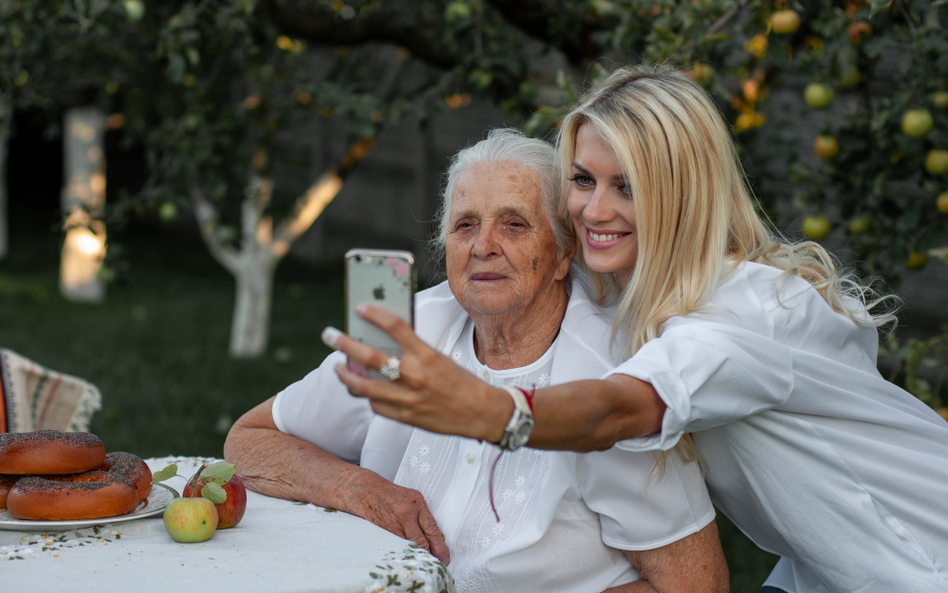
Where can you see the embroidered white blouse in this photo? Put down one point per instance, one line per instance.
(564, 516)
(807, 448)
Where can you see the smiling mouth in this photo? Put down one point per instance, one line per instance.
(487, 276)
(603, 240)
(605, 237)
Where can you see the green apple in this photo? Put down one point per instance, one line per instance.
(135, 10)
(818, 95)
(917, 122)
(940, 99)
(191, 520)
(860, 224)
(168, 211)
(816, 226)
(936, 162)
(456, 11)
(784, 22)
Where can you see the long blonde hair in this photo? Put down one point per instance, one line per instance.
(694, 211)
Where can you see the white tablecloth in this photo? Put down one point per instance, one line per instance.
(279, 546)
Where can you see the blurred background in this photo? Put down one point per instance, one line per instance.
(179, 180)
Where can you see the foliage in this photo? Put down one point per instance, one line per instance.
(209, 86)
(921, 354)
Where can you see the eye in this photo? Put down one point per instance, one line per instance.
(514, 224)
(463, 225)
(582, 180)
(625, 189)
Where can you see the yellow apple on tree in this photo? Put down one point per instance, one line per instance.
(941, 202)
(936, 162)
(917, 122)
(860, 224)
(816, 226)
(916, 260)
(784, 22)
(940, 99)
(818, 95)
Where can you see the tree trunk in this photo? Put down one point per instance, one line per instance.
(251, 323)
(4, 224)
(83, 200)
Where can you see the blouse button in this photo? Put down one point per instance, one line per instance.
(469, 458)
(486, 376)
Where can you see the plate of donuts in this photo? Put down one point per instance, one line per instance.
(155, 504)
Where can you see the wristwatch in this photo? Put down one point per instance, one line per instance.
(517, 432)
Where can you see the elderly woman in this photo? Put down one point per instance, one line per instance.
(523, 521)
(763, 350)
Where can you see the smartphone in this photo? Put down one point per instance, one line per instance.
(384, 278)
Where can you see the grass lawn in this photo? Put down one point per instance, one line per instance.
(157, 346)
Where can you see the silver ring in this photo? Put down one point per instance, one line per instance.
(390, 369)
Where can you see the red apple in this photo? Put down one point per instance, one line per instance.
(231, 511)
(826, 146)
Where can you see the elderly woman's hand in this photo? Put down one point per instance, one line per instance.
(431, 391)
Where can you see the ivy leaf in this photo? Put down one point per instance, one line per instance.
(218, 473)
(213, 492)
(168, 472)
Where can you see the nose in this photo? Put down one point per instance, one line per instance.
(599, 207)
(485, 244)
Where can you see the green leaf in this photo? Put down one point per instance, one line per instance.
(213, 492)
(168, 472)
(219, 472)
(876, 6)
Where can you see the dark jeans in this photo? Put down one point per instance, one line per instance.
(772, 590)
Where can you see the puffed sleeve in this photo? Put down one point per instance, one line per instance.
(708, 373)
(640, 506)
(319, 409)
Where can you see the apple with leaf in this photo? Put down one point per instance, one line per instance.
(213, 498)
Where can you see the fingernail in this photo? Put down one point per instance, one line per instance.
(360, 309)
(330, 336)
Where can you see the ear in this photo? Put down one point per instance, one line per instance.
(564, 260)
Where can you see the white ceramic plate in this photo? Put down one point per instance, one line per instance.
(155, 504)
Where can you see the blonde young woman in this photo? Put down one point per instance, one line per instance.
(759, 348)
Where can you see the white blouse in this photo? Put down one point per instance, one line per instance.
(564, 516)
(807, 448)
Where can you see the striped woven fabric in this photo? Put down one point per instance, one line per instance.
(33, 397)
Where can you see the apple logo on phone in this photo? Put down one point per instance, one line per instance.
(379, 292)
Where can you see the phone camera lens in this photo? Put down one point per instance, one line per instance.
(358, 258)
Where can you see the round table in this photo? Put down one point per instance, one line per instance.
(280, 546)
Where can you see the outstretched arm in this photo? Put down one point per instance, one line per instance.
(278, 464)
(435, 394)
(694, 564)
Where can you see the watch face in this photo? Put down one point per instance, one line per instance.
(521, 434)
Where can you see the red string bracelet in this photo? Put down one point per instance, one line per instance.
(528, 395)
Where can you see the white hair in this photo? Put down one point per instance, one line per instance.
(507, 145)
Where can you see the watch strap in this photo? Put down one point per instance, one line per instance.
(521, 410)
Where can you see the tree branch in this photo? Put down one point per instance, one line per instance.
(207, 218)
(384, 24)
(563, 25)
(731, 12)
